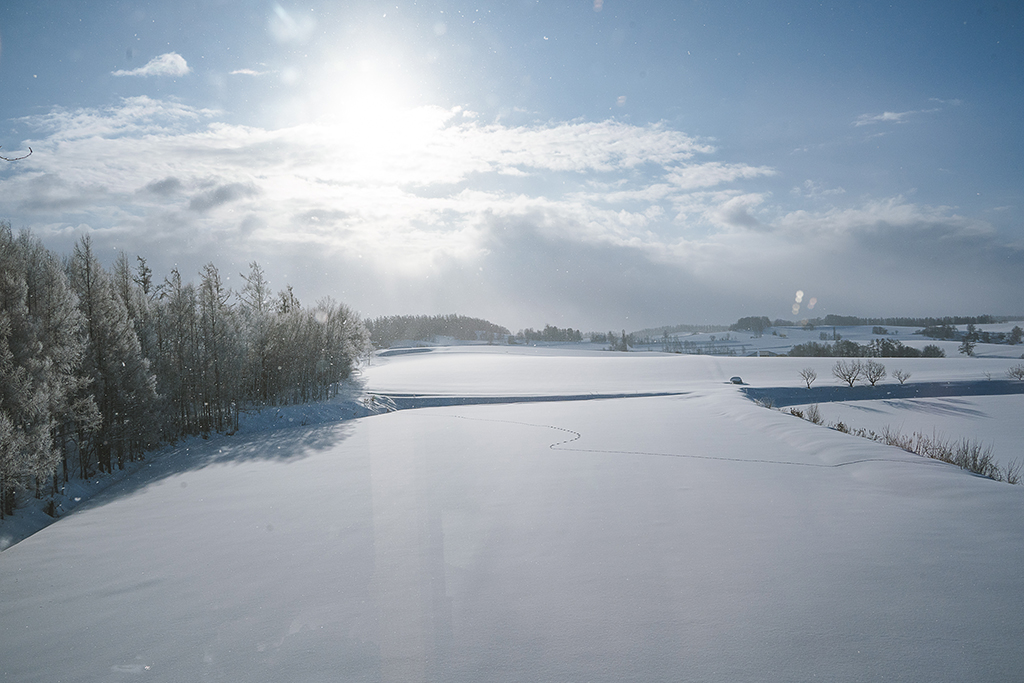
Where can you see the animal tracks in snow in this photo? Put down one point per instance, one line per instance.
(576, 436)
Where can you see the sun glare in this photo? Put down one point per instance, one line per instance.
(362, 102)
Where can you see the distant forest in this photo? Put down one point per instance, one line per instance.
(386, 330)
(550, 333)
(98, 366)
(877, 348)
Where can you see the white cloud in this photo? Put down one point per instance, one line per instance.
(169, 64)
(693, 176)
(889, 117)
(811, 189)
(133, 116)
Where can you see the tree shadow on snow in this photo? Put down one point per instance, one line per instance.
(195, 453)
(791, 396)
(947, 406)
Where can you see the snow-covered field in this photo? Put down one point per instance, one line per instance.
(687, 537)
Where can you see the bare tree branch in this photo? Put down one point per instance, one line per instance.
(17, 158)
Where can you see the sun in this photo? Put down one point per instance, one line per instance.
(363, 101)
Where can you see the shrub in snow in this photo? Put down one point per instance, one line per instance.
(901, 376)
(1016, 372)
(808, 375)
(1011, 473)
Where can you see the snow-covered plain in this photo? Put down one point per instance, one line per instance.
(687, 537)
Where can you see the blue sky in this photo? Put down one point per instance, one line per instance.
(596, 164)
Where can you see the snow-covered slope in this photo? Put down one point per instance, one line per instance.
(690, 537)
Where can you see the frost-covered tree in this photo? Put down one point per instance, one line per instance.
(220, 349)
(83, 352)
(122, 384)
(59, 345)
(14, 392)
(40, 356)
(18, 404)
(257, 317)
(178, 351)
(345, 341)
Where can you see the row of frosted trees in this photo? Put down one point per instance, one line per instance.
(98, 366)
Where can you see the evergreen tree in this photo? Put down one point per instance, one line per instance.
(969, 341)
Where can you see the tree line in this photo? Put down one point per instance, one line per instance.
(550, 333)
(973, 335)
(876, 348)
(98, 365)
(386, 330)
